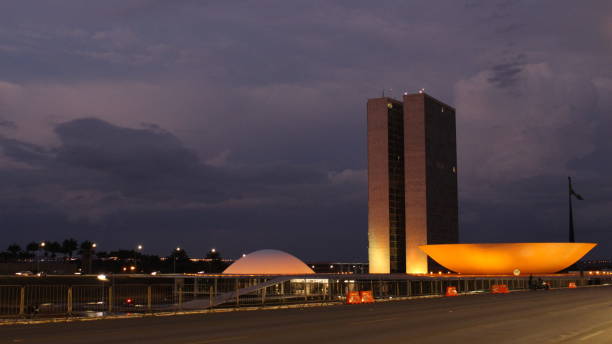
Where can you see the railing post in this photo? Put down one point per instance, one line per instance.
(263, 296)
(210, 297)
(149, 298)
(180, 295)
(69, 301)
(110, 299)
(22, 300)
(237, 295)
(282, 291)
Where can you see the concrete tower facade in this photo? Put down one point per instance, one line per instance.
(412, 181)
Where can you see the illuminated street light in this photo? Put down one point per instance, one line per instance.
(41, 245)
(213, 250)
(139, 248)
(93, 245)
(178, 249)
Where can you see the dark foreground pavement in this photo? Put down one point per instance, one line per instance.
(558, 316)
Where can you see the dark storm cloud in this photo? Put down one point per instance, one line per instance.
(242, 123)
(23, 151)
(505, 75)
(129, 153)
(544, 201)
(146, 182)
(8, 124)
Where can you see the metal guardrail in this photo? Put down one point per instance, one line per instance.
(195, 293)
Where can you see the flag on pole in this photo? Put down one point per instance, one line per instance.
(573, 193)
(571, 211)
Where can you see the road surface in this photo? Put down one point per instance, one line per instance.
(581, 315)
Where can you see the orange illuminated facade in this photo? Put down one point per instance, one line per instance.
(504, 259)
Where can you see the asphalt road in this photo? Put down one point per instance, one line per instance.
(581, 315)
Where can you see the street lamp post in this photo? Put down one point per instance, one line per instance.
(139, 248)
(211, 255)
(41, 245)
(178, 249)
(91, 250)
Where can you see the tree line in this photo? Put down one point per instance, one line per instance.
(84, 254)
(52, 249)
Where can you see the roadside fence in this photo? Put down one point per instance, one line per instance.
(183, 293)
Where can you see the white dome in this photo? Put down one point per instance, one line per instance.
(268, 262)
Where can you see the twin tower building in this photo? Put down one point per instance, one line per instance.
(412, 181)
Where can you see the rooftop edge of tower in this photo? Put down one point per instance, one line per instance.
(431, 98)
(422, 94)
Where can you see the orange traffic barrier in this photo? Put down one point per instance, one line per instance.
(451, 291)
(352, 297)
(499, 289)
(366, 296)
(572, 285)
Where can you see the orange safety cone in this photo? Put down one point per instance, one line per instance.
(451, 291)
(352, 297)
(499, 289)
(366, 296)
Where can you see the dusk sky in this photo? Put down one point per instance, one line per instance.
(241, 125)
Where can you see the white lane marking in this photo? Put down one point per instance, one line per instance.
(591, 335)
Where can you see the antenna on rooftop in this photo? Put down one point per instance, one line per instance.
(390, 92)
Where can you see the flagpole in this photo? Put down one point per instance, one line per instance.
(571, 212)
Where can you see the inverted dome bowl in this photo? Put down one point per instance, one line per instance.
(493, 259)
